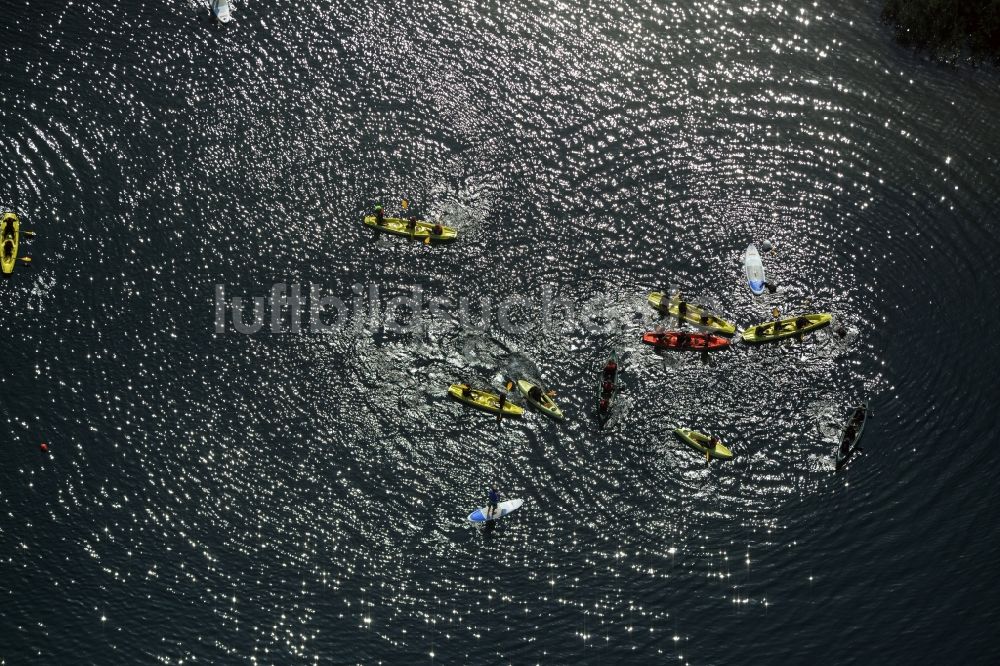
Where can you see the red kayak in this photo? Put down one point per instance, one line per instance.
(680, 341)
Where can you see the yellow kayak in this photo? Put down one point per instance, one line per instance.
(484, 400)
(10, 231)
(701, 441)
(421, 231)
(788, 327)
(694, 314)
(538, 399)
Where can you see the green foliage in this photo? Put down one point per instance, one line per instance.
(947, 27)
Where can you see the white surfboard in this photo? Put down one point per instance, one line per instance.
(503, 508)
(754, 269)
(221, 10)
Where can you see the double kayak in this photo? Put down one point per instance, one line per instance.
(788, 327)
(698, 315)
(607, 388)
(10, 231)
(483, 514)
(489, 402)
(534, 394)
(421, 230)
(680, 341)
(703, 443)
(754, 268)
(852, 434)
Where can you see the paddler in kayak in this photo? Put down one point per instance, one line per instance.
(492, 499)
(379, 215)
(8, 228)
(438, 228)
(503, 401)
(609, 375)
(535, 393)
(411, 224)
(845, 443)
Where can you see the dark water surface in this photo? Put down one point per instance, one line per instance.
(280, 498)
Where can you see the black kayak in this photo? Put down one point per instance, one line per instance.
(853, 430)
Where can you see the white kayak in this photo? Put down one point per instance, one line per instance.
(221, 10)
(503, 508)
(755, 270)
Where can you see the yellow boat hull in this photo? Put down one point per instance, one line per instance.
(421, 231)
(693, 314)
(546, 405)
(484, 400)
(772, 331)
(700, 441)
(10, 231)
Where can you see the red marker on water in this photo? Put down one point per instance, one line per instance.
(44, 447)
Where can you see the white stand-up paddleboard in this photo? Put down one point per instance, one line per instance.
(221, 10)
(755, 270)
(503, 508)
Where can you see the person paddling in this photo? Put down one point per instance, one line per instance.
(609, 375)
(379, 215)
(503, 401)
(848, 439)
(492, 500)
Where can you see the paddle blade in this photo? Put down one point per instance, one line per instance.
(551, 394)
(26, 260)
(427, 241)
(25, 232)
(406, 204)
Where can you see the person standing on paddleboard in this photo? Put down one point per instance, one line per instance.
(492, 500)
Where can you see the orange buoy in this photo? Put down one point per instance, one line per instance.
(44, 447)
